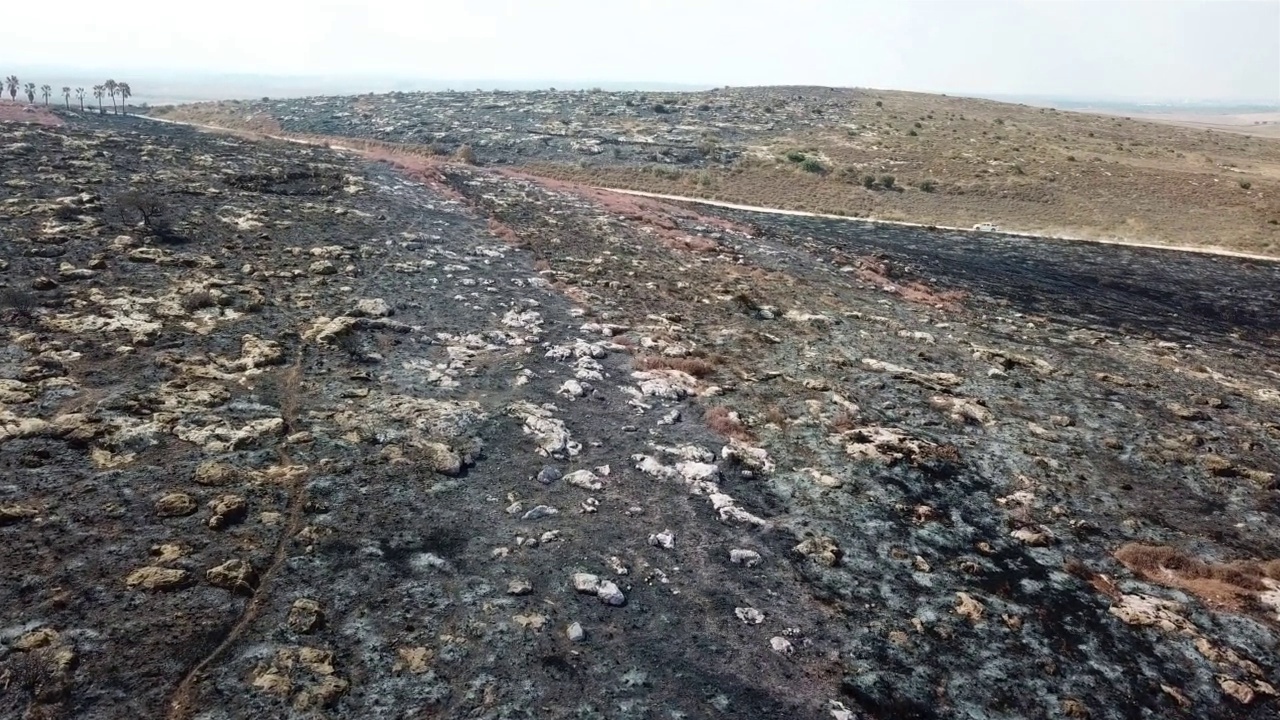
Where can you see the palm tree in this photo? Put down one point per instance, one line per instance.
(30, 90)
(12, 83)
(111, 86)
(98, 92)
(125, 93)
(46, 91)
(66, 95)
(80, 97)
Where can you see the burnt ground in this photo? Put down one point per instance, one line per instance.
(328, 437)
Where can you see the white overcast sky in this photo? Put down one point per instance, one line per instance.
(1167, 49)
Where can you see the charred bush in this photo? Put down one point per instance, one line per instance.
(198, 300)
(135, 206)
(18, 304)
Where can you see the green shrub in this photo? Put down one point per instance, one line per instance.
(1246, 184)
(868, 181)
(796, 156)
(811, 165)
(927, 185)
(886, 181)
(912, 133)
(661, 109)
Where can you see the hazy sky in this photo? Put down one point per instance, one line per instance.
(1166, 49)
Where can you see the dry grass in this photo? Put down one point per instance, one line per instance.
(505, 233)
(1229, 586)
(696, 367)
(1024, 168)
(16, 112)
(726, 423)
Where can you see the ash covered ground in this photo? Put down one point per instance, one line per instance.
(288, 432)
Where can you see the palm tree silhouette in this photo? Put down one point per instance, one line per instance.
(12, 83)
(110, 86)
(66, 95)
(46, 91)
(80, 97)
(98, 92)
(30, 90)
(125, 93)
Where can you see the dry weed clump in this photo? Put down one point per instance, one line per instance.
(844, 421)
(725, 422)
(775, 415)
(696, 367)
(1229, 586)
(503, 232)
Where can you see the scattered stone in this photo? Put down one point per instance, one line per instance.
(549, 474)
(781, 645)
(575, 632)
(167, 553)
(610, 594)
(531, 621)
(441, 458)
(14, 513)
(157, 578)
(416, 660)
(961, 410)
(322, 267)
(749, 615)
(1238, 691)
(1182, 412)
(539, 512)
(227, 510)
(176, 505)
(1218, 465)
(748, 558)
(584, 479)
(305, 616)
(586, 583)
(519, 587)
(216, 474)
(572, 389)
(967, 607)
(665, 540)
(372, 307)
(821, 549)
(237, 576)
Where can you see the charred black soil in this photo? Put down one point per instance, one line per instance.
(321, 439)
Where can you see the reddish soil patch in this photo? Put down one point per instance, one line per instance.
(649, 211)
(18, 112)
(878, 271)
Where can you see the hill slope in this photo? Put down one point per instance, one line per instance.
(323, 435)
(953, 161)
